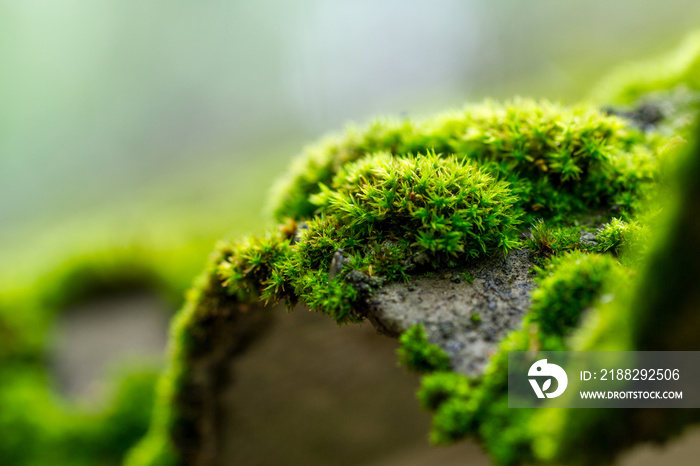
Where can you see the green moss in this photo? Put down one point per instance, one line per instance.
(547, 240)
(452, 418)
(477, 406)
(399, 199)
(568, 285)
(37, 429)
(438, 387)
(379, 218)
(441, 206)
(614, 235)
(418, 355)
(655, 312)
(249, 267)
(558, 160)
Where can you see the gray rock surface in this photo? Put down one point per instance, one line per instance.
(466, 312)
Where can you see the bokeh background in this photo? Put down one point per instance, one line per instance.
(157, 109)
(152, 128)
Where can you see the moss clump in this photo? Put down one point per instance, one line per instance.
(438, 387)
(387, 215)
(657, 311)
(418, 355)
(249, 268)
(547, 240)
(567, 285)
(618, 235)
(441, 206)
(379, 218)
(559, 161)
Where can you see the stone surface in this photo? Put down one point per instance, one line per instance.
(466, 312)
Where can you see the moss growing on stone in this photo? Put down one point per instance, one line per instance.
(380, 218)
(567, 285)
(615, 235)
(558, 160)
(438, 387)
(399, 199)
(654, 311)
(441, 206)
(477, 406)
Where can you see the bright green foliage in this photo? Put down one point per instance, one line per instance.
(453, 417)
(653, 310)
(612, 236)
(558, 160)
(478, 406)
(272, 269)
(566, 287)
(382, 212)
(441, 206)
(249, 263)
(436, 388)
(418, 355)
(38, 430)
(400, 199)
(619, 236)
(377, 217)
(546, 240)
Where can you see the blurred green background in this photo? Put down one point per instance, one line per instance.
(134, 134)
(166, 121)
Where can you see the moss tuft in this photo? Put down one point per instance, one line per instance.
(418, 355)
(567, 286)
(559, 160)
(441, 206)
(438, 387)
(547, 240)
